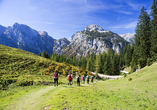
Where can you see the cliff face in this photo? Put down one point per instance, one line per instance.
(94, 39)
(60, 44)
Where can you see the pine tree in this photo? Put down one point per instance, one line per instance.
(83, 62)
(134, 62)
(108, 65)
(43, 54)
(46, 55)
(39, 53)
(124, 53)
(88, 65)
(115, 67)
(143, 37)
(121, 59)
(154, 29)
(97, 64)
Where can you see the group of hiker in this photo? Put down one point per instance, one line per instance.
(78, 79)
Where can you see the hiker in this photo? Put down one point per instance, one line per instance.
(92, 78)
(78, 80)
(55, 75)
(87, 79)
(96, 77)
(83, 79)
(70, 79)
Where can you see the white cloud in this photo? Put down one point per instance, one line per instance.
(125, 12)
(124, 26)
(131, 25)
(136, 6)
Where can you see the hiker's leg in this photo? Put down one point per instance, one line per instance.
(57, 81)
(54, 81)
(71, 82)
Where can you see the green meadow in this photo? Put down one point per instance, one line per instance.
(27, 84)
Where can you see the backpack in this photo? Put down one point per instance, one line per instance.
(87, 77)
(91, 77)
(82, 77)
(55, 75)
(96, 77)
(69, 77)
(78, 79)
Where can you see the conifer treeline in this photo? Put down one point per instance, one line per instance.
(137, 55)
(145, 50)
(106, 63)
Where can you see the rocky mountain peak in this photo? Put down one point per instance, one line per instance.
(16, 24)
(95, 27)
(43, 33)
(129, 37)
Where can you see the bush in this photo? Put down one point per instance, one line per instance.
(129, 79)
(125, 75)
(24, 81)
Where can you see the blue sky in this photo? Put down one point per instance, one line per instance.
(63, 18)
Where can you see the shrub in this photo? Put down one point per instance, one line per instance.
(47, 73)
(125, 75)
(48, 69)
(52, 67)
(64, 72)
(74, 70)
(68, 67)
(129, 79)
(24, 81)
(52, 63)
(40, 63)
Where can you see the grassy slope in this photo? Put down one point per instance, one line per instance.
(140, 93)
(24, 67)
(15, 63)
(137, 94)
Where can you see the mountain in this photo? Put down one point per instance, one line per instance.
(23, 37)
(94, 39)
(60, 44)
(128, 37)
(95, 27)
